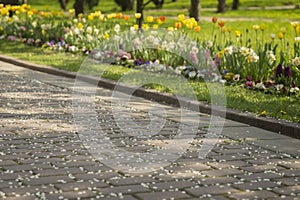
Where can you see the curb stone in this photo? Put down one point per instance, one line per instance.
(278, 126)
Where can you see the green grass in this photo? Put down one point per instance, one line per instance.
(110, 5)
(237, 98)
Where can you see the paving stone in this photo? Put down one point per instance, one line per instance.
(172, 185)
(253, 195)
(261, 176)
(75, 186)
(258, 185)
(291, 165)
(124, 189)
(262, 168)
(73, 195)
(131, 180)
(212, 190)
(222, 172)
(289, 190)
(216, 180)
(289, 181)
(228, 164)
(163, 195)
(27, 189)
(48, 180)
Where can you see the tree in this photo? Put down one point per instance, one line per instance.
(79, 7)
(125, 4)
(158, 3)
(235, 4)
(63, 4)
(195, 9)
(140, 9)
(221, 6)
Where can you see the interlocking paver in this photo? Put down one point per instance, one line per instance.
(211, 190)
(254, 195)
(41, 155)
(164, 195)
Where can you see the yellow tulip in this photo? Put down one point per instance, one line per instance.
(149, 19)
(280, 35)
(181, 17)
(138, 15)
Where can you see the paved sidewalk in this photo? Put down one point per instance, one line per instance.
(42, 156)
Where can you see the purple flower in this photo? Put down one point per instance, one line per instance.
(287, 72)
(279, 70)
(249, 84)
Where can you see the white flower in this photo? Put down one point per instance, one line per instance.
(34, 24)
(294, 90)
(195, 49)
(297, 39)
(117, 28)
(279, 86)
(209, 44)
(260, 86)
(296, 61)
(73, 48)
(89, 30)
(192, 74)
(76, 31)
(244, 51)
(228, 50)
(272, 36)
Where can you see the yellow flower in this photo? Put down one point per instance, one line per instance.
(136, 26)
(282, 112)
(181, 17)
(263, 113)
(220, 54)
(170, 28)
(106, 36)
(1, 28)
(298, 29)
(294, 24)
(138, 15)
(189, 25)
(72, 11)
(145, 26)
(229, 29)
(159, 21)
(43, 32)
(149, 19)
(237, 34)
(256, 27)
(30, 13)
(280, 35)
(155, 26)
(80, 15)
(262, 27)
(90, 17)
(283, 30)
(80, 25)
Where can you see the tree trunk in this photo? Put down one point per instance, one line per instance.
(140, 9)
(79, 7)
(125, 4)
(158, 3)
(235, 4)
(195, 9)
(63, 4)
(221, 6)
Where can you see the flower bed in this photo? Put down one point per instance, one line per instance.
(248, 60)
